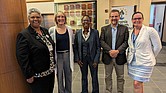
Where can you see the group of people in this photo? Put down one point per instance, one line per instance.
(43, 53)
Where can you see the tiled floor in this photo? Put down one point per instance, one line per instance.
(156, 85)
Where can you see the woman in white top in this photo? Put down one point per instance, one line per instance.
(63, 38)
(144, 46)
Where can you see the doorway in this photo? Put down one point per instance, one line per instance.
(157, 18)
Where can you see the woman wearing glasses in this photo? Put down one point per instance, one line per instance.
(144, 46)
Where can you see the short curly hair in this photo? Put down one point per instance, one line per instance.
(33, 10)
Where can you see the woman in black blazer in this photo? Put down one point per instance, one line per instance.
(35, 54)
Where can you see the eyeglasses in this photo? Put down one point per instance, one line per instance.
(113, 16)
(137, 18)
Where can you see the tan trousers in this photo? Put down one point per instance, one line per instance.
(119, 69)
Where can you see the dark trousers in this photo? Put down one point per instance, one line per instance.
(43, 84)
(94, 74)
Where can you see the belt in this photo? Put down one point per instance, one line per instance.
(43, 74)
(47, 72)
(64, 51)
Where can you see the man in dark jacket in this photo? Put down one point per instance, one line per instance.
(114, 43)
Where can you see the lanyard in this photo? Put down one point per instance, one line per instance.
(134, 38)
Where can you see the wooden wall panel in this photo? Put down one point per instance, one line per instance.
(12, 11)
(30, 1)
(24, 12)
(8, 34)
(12, 83)
(13, 19)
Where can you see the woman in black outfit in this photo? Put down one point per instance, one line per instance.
(35, 54)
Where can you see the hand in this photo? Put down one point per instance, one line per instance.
(30, 80)
(80, 63)
(113, 53)
(95, 64)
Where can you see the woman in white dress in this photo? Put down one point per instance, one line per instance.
(144, 45)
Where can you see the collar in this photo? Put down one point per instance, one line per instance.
(114, 27)
(83, 30)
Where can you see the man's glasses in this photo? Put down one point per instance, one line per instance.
(113, 16)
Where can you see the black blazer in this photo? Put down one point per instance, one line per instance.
(32, 53)
(121, 43)
(94, 45)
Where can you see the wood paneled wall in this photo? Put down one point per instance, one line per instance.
(13, 19)
(29, 1)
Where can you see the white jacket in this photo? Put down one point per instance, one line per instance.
(147, 47)
(52, 33)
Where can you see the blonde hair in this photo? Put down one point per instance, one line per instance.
(56, 17)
